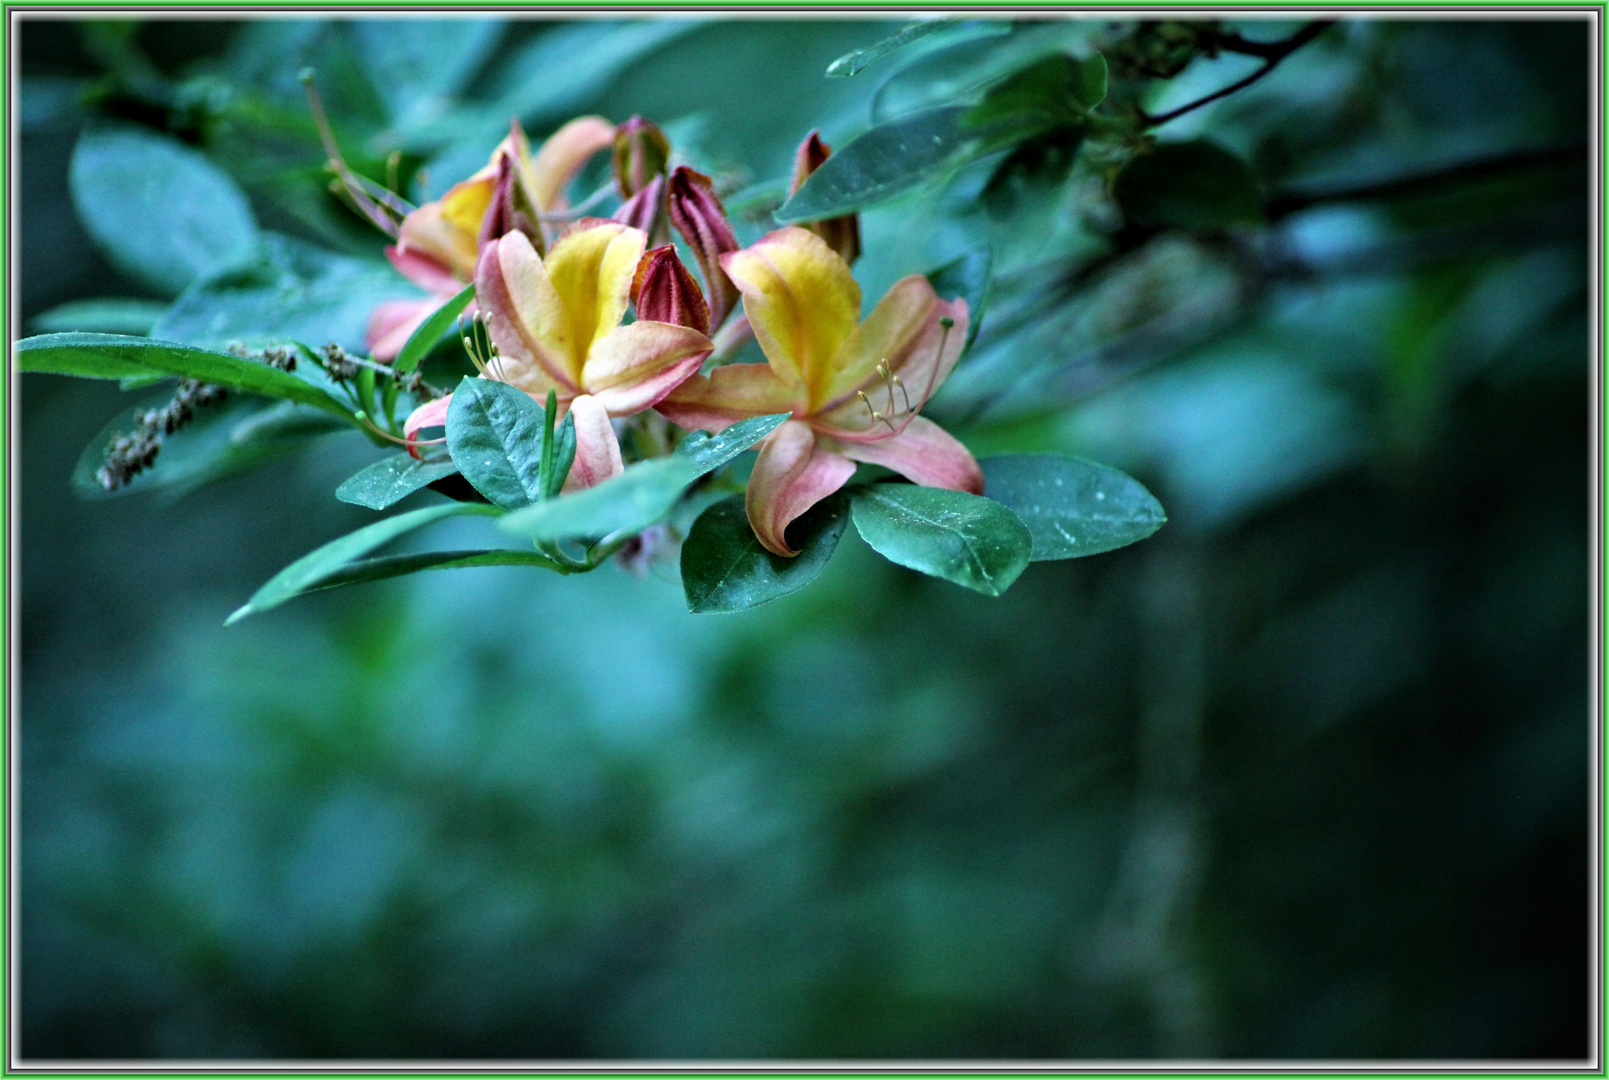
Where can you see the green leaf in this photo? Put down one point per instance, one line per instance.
(643, 494)
(1071, 506)
(422, 340)
(110, 356)
(392, 479)
(853, 63)
(1045, 95)
(111, 315)
(494, 433)
(724, 568)
(162, 212)
(1189, 185)
(291, 290)
(317, 566)
(969, 277)
(960, 73)
(886, 161)
(558, 449)
(367, 570)
(963, 538)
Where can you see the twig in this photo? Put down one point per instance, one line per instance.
(1273, 54)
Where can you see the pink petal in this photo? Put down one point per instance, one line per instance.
(729, 394)
(791, 475)
(524, 316)
(430, 414)
(428, 273)
(563, 155)
(923, 452)
(922, 356)
(637, 365)
(393, 323)
(597, 451)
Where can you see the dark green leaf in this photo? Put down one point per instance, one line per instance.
(963, 538)
(710, 452)
(391, 480)
(1043, 96)
(969, 277)
(886, 161)
(960, 73)
(102, 316)
(724, 568)
(311, 569)
(110, 356)
(161, 211)
(1189, 185)
(1071, 506)
(292, 290)
(627, 503)
(853, 63)
(390, 566)
(431, 330)
(563, 457)
(494, 433)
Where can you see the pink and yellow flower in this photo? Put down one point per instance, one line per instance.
(855, 386)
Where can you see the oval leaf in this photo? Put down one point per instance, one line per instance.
(1071, 506)
(391, 480)
(886, 161)
(422, 340)
(494, 433)
(710, 452)
(628, 503)
(724, 568)
(963, 538)
(161, 211)
(311, 569)
(1189, 185)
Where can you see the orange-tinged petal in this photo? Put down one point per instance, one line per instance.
(427, 272)
(526, 319)
(561, 157)
(925, 453)
(634, 366)
(729, 394)
(430, 414)
(425, 231)
(591, 271)
(791, 475)
(922, 364)
(597, 451)
(800, 299)
(885, 337)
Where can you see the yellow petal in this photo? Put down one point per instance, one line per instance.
(922, 361)
(800, 299)
(425, 230)
(526, 318)
(562, 156)
(884, 338)
(591, 270)
(465, 203)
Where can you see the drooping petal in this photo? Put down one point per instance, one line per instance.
(392, 323)
(425, 271)
(526, 318)
(665, 292)
(591, 270)
(425, 232)
(597, 451)
(924, 453)
(430, 414)
(633, 367)
(790, 476)
(697, 213)
(922, 361)
(800, 300)
(561, 157)
(729, 394)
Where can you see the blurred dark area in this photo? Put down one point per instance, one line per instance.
(1304, 776)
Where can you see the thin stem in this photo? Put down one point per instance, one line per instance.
(1273, 54)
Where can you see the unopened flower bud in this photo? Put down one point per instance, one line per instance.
(842, 234)
(698, 216)
(641, 153)
(646, 211)
(511, 209)
(666, 292)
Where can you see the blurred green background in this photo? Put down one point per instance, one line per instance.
(1304, 775)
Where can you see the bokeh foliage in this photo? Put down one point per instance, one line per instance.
(1303, 775)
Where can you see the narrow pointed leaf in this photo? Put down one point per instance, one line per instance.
(430, 331)
(886, 161)
(390, 566)
(337, 555)
(494, 433)
(710, 452)
(391, 480)
(628, 503)
(724, 567)
(114, 356)
(101, 316)
(1072, 507)
(967, 539)
(853, 63)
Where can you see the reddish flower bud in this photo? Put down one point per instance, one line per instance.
(666, 292)
(841, 233)
(511, 209)
(646, 211)
(641, 153)
(698, 216)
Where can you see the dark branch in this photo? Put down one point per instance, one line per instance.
(1273, 54)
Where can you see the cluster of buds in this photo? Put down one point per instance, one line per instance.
(131, 454)
(275, 356)
(336, 364)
